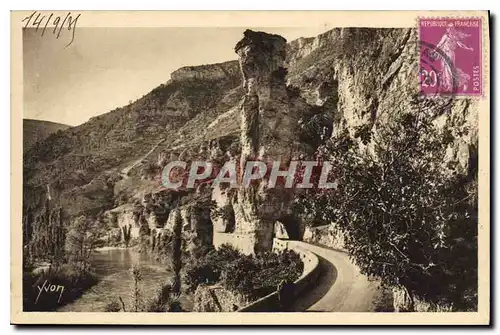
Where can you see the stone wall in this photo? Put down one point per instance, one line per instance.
(325, 235)
(213, 298)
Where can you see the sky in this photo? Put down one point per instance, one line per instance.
(106, 68)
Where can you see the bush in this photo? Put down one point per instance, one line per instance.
(160, 302)
(83, 237)
(201, 274)
(407, 219)
(274, 268)
(208, 269)
(240, 275)
(113, 306)
(252, 276)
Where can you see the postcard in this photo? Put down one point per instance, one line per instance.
(250, 168)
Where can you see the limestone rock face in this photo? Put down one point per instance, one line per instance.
(367, 77)
(152, 221)
(196, 225)
(267, 126)
(213, 298)
(268, 131)
(200, 226)
(402, 302)
(219, 71)
(172, 216)
(280, 231)
(124, 218)
(223, 202)
(326, 235)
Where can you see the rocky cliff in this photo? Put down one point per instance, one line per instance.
(269, 128)
(211, 72)
(364, 76)
(279, 101)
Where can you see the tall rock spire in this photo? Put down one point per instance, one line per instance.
(267, 126)
(267, 133)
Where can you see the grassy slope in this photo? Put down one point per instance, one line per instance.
(37, 130)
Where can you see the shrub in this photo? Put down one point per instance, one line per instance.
(160, 302)
(274, 268)
(203, 273)
(113, 306)
(83, 237)
(200, 251)
(407, 219)
(207, 268)
(239, 275)
(252, 276)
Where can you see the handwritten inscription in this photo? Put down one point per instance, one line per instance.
(54, 23)
(47, 287)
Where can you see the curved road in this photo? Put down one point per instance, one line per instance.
(340, 286)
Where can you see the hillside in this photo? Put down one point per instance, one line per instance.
(37, 130)
(404, 204)
(92, 166)
(82, 163)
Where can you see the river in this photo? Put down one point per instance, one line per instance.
(115, 280)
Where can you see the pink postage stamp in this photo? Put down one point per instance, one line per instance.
(450, 56)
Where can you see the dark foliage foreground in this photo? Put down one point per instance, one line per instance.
(43, 292)
(254, 276)
(408, 218)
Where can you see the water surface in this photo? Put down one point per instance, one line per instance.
(115, 280)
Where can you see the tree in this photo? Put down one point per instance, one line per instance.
(83, 237)
(177, 252)
(144, 232)
(137, 275)
(405, 217)
(45, 233)
(126, 234)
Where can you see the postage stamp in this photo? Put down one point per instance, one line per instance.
(450, 56)
(212, 168)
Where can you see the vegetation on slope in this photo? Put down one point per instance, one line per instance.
(36, 131)
(406, 218)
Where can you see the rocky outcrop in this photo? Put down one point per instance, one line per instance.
(173, 216)
(366, 77)
(267, 125)
(211, 72)
(214, 298)
(196, 225)
(268, 130)
(403, 302)
(325, 235)
(124, 217)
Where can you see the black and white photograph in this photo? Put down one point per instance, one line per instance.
(338, 167)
